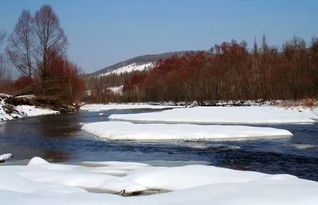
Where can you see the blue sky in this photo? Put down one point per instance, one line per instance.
(103, 32)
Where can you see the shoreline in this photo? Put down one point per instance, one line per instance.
(30, 106)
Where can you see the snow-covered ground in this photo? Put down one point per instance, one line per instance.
(151, 132)
(129, 68)
(41, 183)
(22, 111)
(105, 107)
(226, 115)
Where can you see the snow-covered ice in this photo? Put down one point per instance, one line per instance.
(226, 115)
(113, 130)
(5, 157)
(113, 106)
(129, 68)
(41, 183)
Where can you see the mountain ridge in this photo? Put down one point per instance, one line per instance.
(139, 60)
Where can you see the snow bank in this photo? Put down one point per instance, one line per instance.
(226, 115)
(31, 111)
(22, 111)
(5, 157)
(43, 183)
(149, 132)
(105, 107)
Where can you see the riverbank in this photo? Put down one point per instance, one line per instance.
(30, 106)
(266, 114)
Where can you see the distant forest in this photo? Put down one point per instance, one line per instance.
(229, 71)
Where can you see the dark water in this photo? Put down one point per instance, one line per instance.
(59, 138)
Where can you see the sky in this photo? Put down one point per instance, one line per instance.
(104, 32)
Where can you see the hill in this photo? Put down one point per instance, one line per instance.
(137, 63)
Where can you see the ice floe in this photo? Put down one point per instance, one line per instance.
(120, 130)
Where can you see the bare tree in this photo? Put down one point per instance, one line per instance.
(50, 37)
(5, 74)
(21, 44)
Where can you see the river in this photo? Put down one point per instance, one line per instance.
(59, 138)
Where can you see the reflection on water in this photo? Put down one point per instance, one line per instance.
(59, 138)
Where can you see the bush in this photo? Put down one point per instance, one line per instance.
(25, 85)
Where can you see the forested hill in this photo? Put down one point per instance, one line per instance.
(140, 60)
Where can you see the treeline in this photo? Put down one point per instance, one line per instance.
(36, 48)
(231, 72)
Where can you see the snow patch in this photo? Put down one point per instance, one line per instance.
(5, 157)
(118, 90)
(129, 68)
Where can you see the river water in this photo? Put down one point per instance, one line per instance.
(59, 138)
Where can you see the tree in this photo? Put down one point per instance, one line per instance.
(65, 83)
(50, 37)
(37, 49)
(21, 44)
(5, 74)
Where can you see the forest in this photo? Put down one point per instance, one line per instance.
(229, 71)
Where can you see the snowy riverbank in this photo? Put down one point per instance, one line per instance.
(128, 106)
(227, 115)
(41, 182)
(9, 112)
